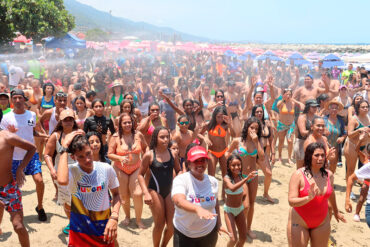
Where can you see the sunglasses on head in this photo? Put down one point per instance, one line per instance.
(61, 94)
(184, 123)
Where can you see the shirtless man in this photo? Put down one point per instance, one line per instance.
(309, 91)
(23, 123)
(10, 195)
(52, 115)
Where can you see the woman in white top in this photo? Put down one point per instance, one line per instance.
(197, 215)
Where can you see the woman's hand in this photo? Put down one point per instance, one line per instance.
(254, 136)
(331, 153)
(340, 217)
(53, 174)
(148, 200)
(341, 139)
(251, 175)
(312, 192)
(124, 160)
(205, 214)
(69, 137)
(222, 229)
(348, 206)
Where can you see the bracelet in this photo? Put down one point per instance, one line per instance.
(114, 218)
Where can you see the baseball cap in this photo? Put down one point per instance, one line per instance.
(18, 92)
(5, 94)
(66, 113)
(29, 74)
(342, 86)
(197, 152)
(311, 102)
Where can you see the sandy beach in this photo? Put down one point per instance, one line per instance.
(269, 221)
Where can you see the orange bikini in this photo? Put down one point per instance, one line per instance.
(128, 169)
(32, 100)
(284, 110)
(220, 132)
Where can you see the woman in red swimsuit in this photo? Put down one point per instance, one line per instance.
(310, 188)
(125, 149)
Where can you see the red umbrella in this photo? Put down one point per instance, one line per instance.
(21, 39)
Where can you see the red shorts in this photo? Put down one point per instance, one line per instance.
(11, 196)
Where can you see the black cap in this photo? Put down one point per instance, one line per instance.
(5, 94)
(311, 102)
(18, 92)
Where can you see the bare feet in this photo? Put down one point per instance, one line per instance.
(268, 198)
(251, 234)
(140, 225)
(290, 162)
(1, 231)
(126, 221)
(280, 160)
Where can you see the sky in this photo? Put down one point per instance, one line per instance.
(270, 21)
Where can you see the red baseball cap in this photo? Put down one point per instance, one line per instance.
(197, 152)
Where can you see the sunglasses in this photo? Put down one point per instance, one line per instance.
(184, 123)
(219, 96)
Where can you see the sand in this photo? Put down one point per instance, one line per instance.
(269, 221)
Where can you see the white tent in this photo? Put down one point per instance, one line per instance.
(365, 58)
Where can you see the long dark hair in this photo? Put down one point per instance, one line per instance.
(248, 123)
(223, 94)
(101, 151)
(80, 97)
(48, 84)
(124, 102)
(150, 106)
(213, 122)
(232, 157)
(254, 109)
(154, 140)
(120, 129)
(97, 101)
(59, 126)
(190, 146)
(357, 106)
(308, 159)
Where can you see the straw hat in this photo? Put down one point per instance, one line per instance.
(335, 102)
(117, 83)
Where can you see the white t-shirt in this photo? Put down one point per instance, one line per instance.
(15, 75)
(202, 193)
(92, 188)
(24, 123)
(364, 173)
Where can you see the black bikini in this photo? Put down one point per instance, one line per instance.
(162, 174)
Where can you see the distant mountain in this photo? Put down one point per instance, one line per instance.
(87, 17)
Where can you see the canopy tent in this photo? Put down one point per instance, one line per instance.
(69, 41)
(269, 55)
(364, 58)
(332, 60)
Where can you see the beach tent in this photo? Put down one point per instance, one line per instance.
(21, 39)
(332, 60)
(69, 41)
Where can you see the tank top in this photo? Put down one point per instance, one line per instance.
(52, 122)
(47, 104)
(308, 127)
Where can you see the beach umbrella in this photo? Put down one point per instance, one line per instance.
(229, 53)
(296, 56)
(249, 53)
(332, 60)
(21, 39)
(270, 56)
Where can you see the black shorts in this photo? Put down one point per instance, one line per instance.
(209, 240)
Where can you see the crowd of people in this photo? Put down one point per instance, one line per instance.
(158, 127)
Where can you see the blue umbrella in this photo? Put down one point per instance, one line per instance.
(270, 55)
(229, 53)
(296, 56)
(249, 53)
(332, 60)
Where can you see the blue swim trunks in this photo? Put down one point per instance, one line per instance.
(32, 168)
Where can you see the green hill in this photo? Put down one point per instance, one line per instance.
(87, 17)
